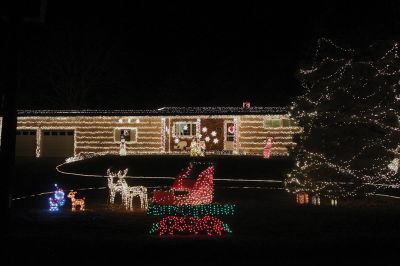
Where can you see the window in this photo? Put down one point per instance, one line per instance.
(273, 123)
(230, 132)
(183, 129)
(129, 134)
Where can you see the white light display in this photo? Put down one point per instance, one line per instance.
(394, 165)
(95, 134)
(127, 193)
(347, 100)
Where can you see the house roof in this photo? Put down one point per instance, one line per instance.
(167, 111)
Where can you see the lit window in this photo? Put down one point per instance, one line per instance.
(183, 129)
(273, 123)
(129, 134)
(230, 132)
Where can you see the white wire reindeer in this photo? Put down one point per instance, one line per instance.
(127, 192)
(135, 191)
(116, 187)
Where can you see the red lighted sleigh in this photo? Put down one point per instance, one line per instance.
(188, 191)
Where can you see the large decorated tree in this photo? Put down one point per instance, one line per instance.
(350, 115)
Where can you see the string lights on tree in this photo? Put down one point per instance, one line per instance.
(349, 113)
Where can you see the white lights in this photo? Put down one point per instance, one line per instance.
(394, 165)
(348, 98)
(127, 192)
(156, 135)
(204, 129)
(215, 141)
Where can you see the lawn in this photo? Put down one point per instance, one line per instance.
(268, 225)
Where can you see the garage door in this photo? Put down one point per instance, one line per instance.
(26, 143)
(57, 143)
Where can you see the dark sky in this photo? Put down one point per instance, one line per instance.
(139, 54)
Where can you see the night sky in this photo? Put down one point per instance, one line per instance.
(131, 54)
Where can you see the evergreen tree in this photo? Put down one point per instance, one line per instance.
(350, 115)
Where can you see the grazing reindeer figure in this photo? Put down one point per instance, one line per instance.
(76, 202)
(132, 192)
(116, 187)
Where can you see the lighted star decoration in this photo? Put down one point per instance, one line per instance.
(207, 139)
(214, 133)
(204, 129)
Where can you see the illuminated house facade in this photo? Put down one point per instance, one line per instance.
(168, 130)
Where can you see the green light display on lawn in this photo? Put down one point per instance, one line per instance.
(192, 210)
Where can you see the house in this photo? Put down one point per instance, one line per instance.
(167, 130)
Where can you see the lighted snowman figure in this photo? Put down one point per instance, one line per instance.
(122, 147)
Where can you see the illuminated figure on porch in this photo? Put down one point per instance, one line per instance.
(267, 148)
(195, 148)
(122, 147)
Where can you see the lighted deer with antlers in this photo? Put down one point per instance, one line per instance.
(127, 192)
(76, 202)
(118, 186)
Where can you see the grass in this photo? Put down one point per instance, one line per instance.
(268, 227)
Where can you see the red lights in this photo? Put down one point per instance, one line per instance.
(209, 225)
(187, 191)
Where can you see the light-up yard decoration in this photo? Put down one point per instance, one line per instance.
(115, 188)
(75, 203)
(213, 209)
(267, 148)
(170, 225)
(127, 193)
(188, 205)
(186, 191)
(58, 200)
